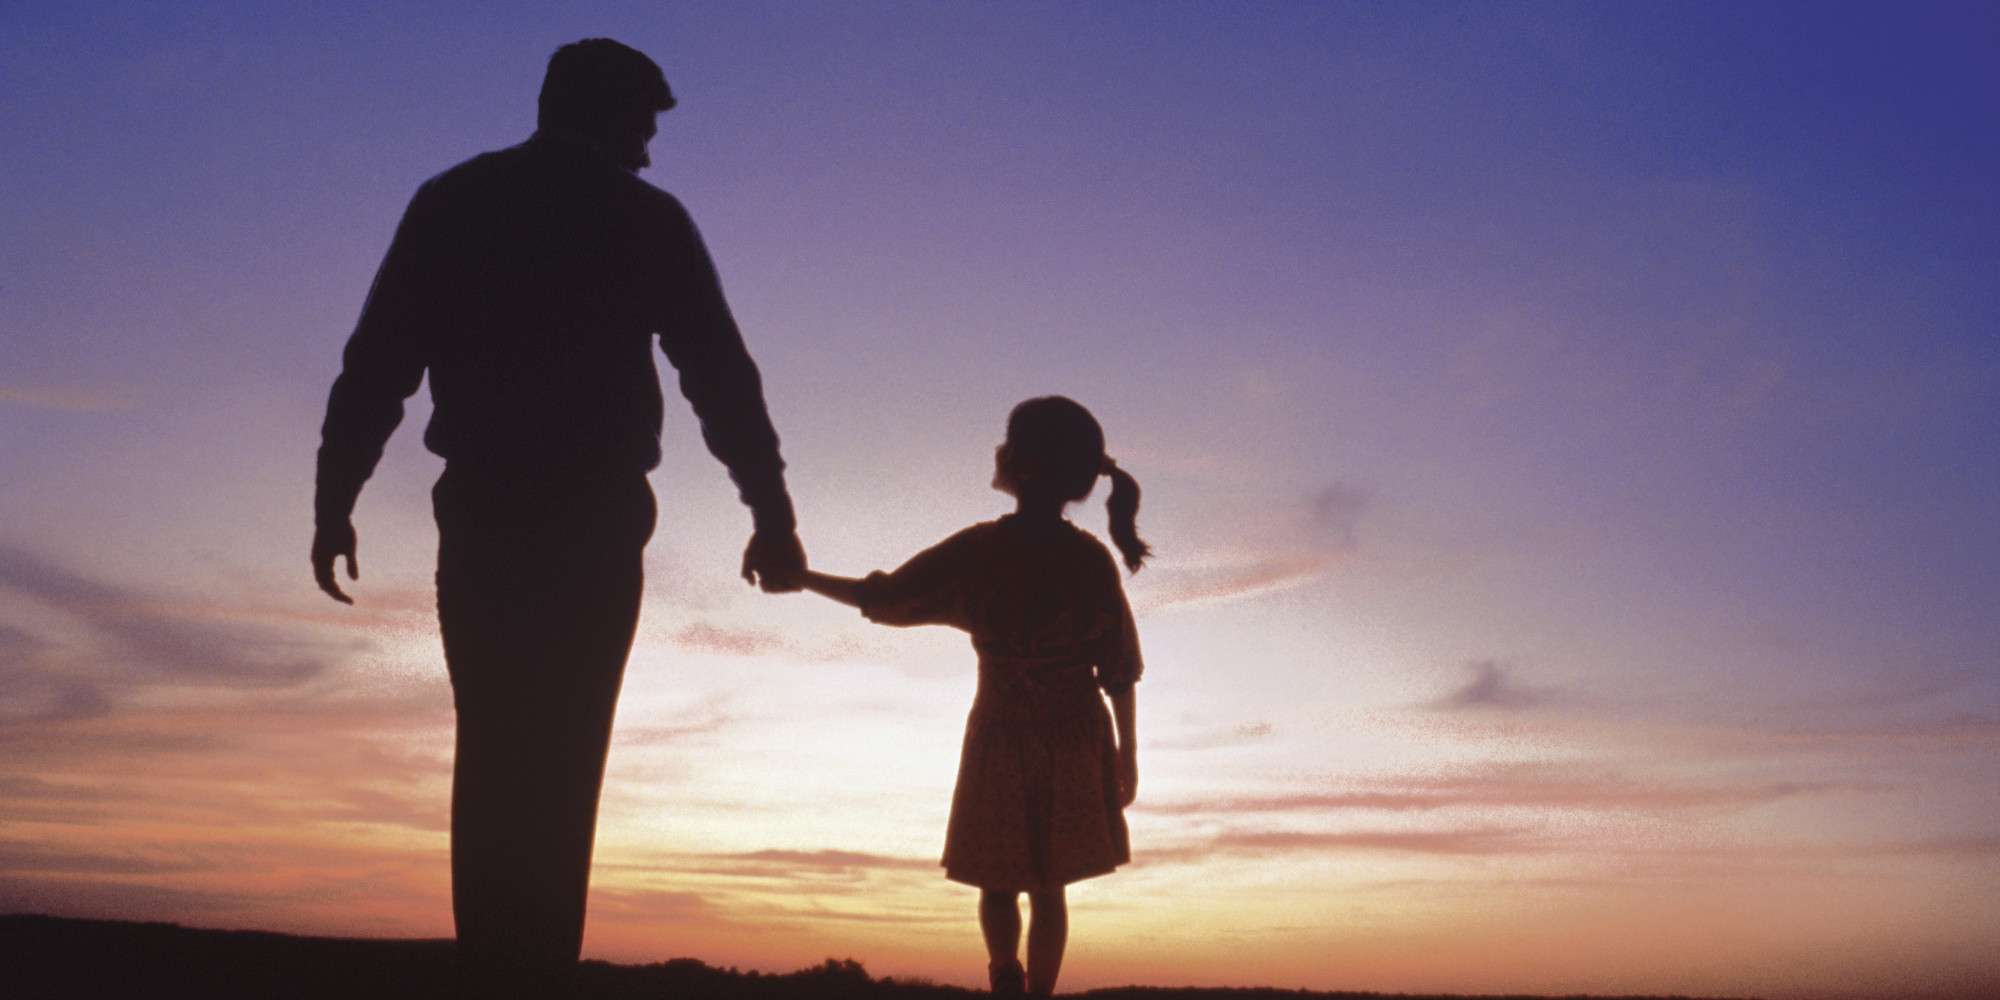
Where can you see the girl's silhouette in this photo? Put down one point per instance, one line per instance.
(1045, 774)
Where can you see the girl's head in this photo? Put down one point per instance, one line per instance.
(1055, 451)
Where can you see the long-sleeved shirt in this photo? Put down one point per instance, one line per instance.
(529, 283)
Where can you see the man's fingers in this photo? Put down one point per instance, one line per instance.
(323, 573)
(330, 545)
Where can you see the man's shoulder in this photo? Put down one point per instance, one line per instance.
(549, 168)
(472, 181)
(657, 200)
(483, 165)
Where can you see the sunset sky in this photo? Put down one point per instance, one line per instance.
(1570, 435)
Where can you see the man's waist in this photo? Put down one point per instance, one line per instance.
(545, 453)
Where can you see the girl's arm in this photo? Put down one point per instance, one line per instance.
(1123, 716)
(845, 589)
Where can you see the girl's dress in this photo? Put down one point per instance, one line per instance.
(1037, 799)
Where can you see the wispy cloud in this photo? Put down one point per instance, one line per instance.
(65, 398)
(1518, 786)
(711, 638)
(706, 720)
(1212, 738)
(1225, 581)
(652, 906)
(1337, 511)
(1476, 841)
(773, 863)
(17, 857)
(832, 860)
(1275, 550)
(147, 636)
(115, 899)
(1492, 687)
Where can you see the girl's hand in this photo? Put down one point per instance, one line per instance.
(1128, 779)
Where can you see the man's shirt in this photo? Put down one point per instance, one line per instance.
(529, 283)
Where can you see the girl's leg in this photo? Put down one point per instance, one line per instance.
(1000, 923)
(1048, 932)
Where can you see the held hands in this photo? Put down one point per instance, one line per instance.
(330, 542)
(775, 562)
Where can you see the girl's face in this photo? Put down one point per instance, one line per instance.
(1006, 478)
(1014, 472)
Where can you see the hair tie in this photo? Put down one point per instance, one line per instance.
(1106, 466)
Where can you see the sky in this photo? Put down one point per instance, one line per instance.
(1570, 436)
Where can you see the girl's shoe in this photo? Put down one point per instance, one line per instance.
(1007, 977)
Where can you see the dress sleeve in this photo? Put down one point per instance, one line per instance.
(930, 589)
(1114, 649)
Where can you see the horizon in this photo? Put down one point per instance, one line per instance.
(1570, 438)
(51, 975)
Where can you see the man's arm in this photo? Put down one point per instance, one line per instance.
(721, 382)
(380, 368)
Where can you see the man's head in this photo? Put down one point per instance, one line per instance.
(607, 93)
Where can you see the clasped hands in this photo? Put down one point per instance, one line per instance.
(775, 562)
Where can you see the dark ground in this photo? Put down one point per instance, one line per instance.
(52, 958)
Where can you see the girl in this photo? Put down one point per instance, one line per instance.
(1042, 783)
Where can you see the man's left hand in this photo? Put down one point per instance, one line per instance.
(775, 562)
(331, 542)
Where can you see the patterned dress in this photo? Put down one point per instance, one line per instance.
(1037, 799)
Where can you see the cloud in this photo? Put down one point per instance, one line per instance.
(1491, 688)
(154, 636)
(17, 644)
(777, 865)
(1181, 585)
(1478, 841)
(1474, 841)
(78, 700)
(1532, 786)
(414, 810)
(833, 860)
(710, 717)
(1216, 737)
(653, 906)
(18, 857)
(1337, 510)
(1954, 848)
(114, 900)
(64, 398)
(710, 638)
(1278, 549)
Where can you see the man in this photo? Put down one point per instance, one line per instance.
(529, 284)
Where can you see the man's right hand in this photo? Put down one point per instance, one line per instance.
(329, 543)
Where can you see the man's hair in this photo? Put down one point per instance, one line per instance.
(598, 83)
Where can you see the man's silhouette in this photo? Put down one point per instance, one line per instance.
(529, 284)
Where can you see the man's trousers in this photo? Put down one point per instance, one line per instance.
(538, 597)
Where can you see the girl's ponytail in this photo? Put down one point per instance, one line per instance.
(1123, 506)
